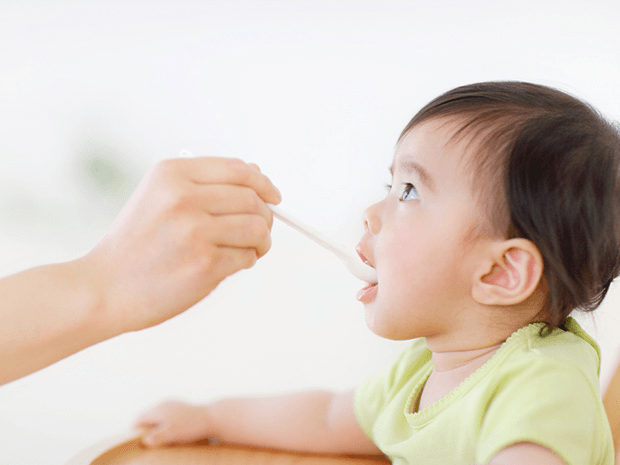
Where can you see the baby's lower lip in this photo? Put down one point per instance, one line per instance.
(367, 293)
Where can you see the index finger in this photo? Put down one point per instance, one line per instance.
(216, 170)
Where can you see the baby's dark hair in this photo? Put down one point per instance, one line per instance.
(547, 170)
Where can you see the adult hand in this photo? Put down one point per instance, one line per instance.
(190, 224)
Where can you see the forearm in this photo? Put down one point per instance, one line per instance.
(318, 422)
(48, 313)
(170, 246)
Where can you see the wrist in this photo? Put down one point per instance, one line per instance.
(95, 290)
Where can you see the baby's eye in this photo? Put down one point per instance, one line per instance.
(409, 192)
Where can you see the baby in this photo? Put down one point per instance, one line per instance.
(502, 218)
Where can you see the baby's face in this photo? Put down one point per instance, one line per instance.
(419, 238)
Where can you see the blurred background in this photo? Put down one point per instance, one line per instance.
(93, 94)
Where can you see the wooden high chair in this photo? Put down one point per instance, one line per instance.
(611, 401)
(126, 450)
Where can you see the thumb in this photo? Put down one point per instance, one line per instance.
(153, 437)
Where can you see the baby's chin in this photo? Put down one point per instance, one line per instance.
(386, 328)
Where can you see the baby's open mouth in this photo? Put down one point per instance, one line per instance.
(372, 277)
(368, 293)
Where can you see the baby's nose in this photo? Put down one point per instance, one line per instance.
(372, 219)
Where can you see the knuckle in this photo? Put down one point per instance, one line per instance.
(165, 168)
(183, 199)
(257, 228)
(169, 199)
(176, 198)
(236, 164)
(239, 168)
(166, 192)
(266, 245)
(249, 258)
(203, 251)
(252, 200)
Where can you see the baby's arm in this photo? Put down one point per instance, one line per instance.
(526, 452)
(319, 422)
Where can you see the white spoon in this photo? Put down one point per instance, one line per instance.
(353, 263)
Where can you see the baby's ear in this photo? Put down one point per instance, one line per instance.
(510, 273)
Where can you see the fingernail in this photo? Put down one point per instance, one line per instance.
(279, 193)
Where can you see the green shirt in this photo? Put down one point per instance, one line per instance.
(537, 389)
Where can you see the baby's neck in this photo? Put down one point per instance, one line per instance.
(462, 360)
(450, 370)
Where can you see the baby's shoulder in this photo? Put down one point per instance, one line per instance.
(563, 358)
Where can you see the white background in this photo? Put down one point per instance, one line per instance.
(92, 94)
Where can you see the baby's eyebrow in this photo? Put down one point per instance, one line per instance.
(410, 166)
